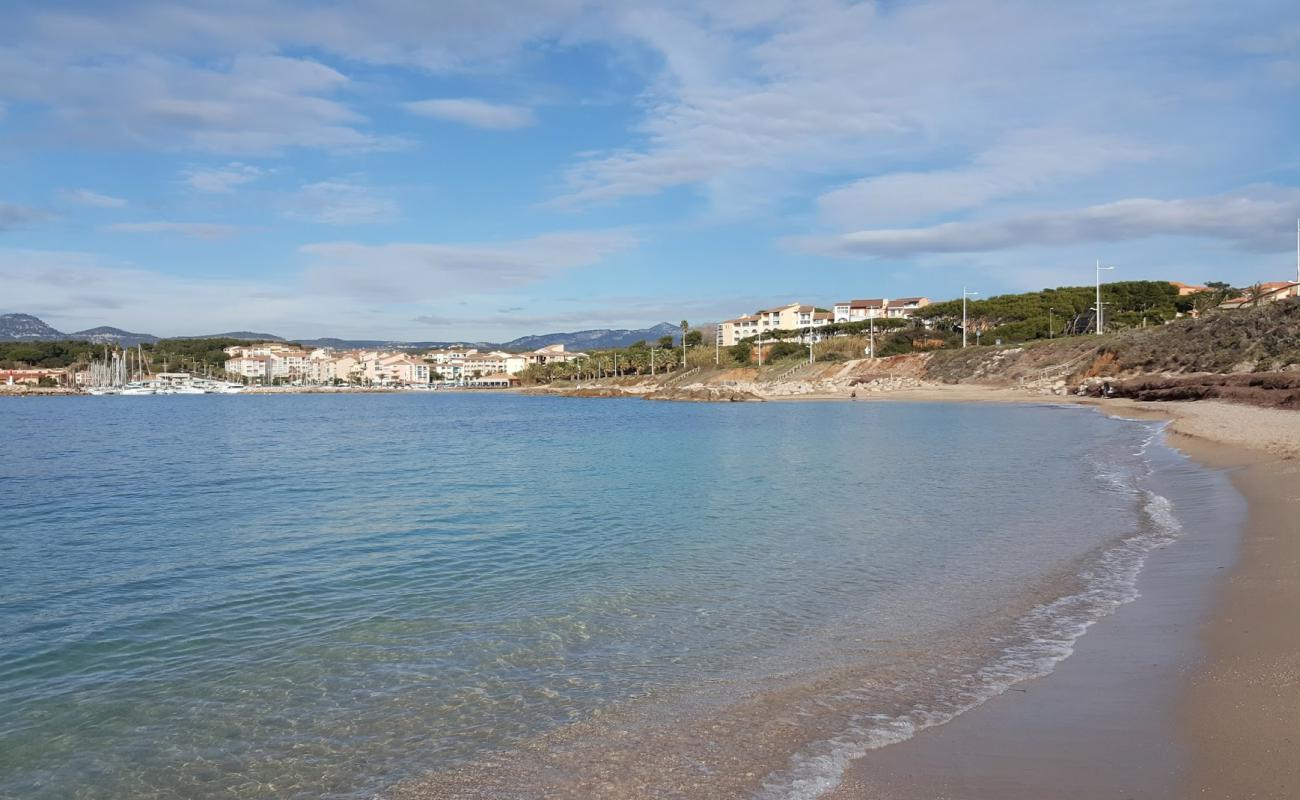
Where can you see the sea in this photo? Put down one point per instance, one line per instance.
(441, 594)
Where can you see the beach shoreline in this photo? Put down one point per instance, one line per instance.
(1238, 690)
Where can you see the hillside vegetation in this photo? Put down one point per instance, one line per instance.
(1260, 339)
(195, 355)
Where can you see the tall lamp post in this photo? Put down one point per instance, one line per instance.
(1050, 326)
(964, 294)
(811, 314)
(1100, 325)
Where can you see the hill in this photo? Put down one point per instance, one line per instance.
(26, 328)
(1066, 310)
(596, 339)
(1249, 340)
(107, 335)
(382, 344)
(240, 335)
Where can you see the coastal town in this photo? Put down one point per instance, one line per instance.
(755, 337)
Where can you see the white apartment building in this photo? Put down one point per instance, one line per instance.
(289, 364)
(552, 354)
(256, 368)
(859, 310)
(905, 307)
(395, 369)
(879, 308)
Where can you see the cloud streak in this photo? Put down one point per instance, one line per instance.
(409, 271)
(473, 112)
(13, 217)
(196, 230)
(221, 180)
(1023, 162)
(248, 104)
(1256, 219)
(87, 197)
(340, 202)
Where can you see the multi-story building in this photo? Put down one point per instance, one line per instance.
(552, 354)
(1269, 292)
(905, 307)
(879, 308)
(790, 317)
(860, 310)
(256, 368)
(396, 369)
(289, 364)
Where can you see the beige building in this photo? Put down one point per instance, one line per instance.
(879, 308)
(859, 310)
(552, 354)
(789, 317)
(396, 369)
(1185, 289)
(1270, 292)
(256, 368)
(904, 307)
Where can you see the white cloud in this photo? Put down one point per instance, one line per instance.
(221, 180)
(1256, 219)
(800, 92)
(340, 202)
(197, 230)
(87, 197)
(1023, 162)
(247, 104)
(421, 271)
(190, 75)
(476, 113)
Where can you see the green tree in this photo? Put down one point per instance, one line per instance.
(694, 338)
(742, 352)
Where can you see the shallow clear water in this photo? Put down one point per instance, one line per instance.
(319, 596)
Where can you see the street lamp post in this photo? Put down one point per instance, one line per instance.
(810, 338)
(1100, 325)
(1050, 326)
(964, 294)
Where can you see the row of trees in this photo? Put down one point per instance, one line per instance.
(1065, 310)
(194, 355)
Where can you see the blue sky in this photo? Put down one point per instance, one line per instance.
(457, 169)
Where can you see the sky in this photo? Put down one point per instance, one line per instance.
(483, 169)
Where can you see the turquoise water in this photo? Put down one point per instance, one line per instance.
(323, 596)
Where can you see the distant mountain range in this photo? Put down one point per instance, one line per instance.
(596, 339)
(27, 328)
